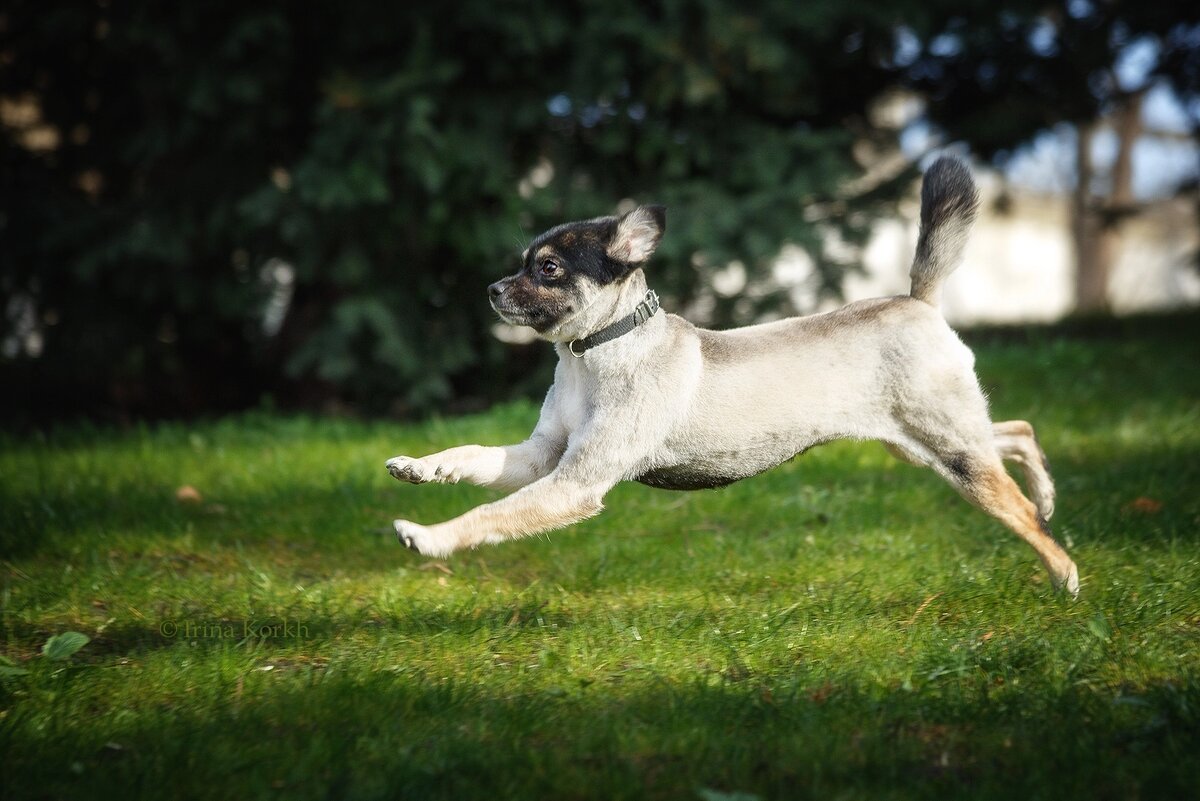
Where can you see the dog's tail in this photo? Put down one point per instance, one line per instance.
(949, 201)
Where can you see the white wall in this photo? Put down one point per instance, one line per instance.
(1019, 265)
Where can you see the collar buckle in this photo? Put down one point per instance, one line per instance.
(641, 313)
(646, 309)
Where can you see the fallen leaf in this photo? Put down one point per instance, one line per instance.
(921, 608)
(819, 695)
(63, 646)
(1100, 628)
(1145, 505)
(187, 494)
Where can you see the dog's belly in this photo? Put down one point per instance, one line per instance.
(718, 468)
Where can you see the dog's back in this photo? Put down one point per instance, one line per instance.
(767, 392)
(779, 388)
(840, 374)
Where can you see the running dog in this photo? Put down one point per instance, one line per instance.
(647, 396)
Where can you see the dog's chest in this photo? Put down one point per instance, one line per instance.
(574, 404)
(581, 393)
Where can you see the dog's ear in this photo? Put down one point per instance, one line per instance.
(637, 234)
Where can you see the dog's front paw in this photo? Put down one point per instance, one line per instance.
(405, 468)
(420, 538)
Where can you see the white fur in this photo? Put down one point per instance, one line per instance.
(636, 238)
(673, 405)
(888, 369)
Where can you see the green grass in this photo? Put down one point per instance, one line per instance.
(841, 627)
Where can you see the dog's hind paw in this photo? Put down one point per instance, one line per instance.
(405, 468)
(1069, 583)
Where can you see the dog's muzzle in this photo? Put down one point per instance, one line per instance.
(497, 289)
(496, 299)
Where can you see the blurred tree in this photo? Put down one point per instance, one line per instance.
(998, 75)
(202, 203)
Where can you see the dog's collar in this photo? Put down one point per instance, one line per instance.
(643, 312)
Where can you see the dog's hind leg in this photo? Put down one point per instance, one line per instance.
(1016, 442)
(905, 454)
(985, 483)
(952, 434)
(982, 480)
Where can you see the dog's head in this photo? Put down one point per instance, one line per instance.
(567, 268)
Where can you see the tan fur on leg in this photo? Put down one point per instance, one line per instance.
(1016, 442)
(542, 506)
(996, 493)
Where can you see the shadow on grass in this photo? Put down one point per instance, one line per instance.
(205, 632)
(315, 734)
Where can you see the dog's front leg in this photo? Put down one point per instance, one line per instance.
(547, 504)
(506, 468)
(595, 461)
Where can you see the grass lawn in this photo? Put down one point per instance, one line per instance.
(841, 627)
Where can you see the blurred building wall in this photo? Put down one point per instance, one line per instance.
(1019, 263)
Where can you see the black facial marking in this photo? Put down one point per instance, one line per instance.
(555, 270)
(579, 249)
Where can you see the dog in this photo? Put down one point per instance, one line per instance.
(647, 396)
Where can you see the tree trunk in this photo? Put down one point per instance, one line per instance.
(1091, 271)
(1097, 227)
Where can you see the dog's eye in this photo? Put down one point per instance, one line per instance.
(550, 269)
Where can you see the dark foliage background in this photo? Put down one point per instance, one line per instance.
(208, 204)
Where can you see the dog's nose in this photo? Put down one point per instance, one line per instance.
(496, 290)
